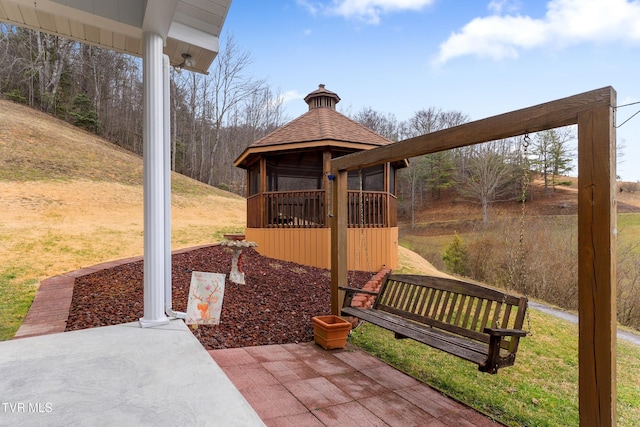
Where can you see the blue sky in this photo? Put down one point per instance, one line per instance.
(481, 58)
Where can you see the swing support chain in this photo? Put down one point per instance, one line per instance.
(521, 252)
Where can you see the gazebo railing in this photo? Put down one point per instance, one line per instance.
(307, 209)
(371, 209)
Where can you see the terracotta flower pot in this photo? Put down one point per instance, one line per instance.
(330, 331)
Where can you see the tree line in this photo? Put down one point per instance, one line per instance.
(483, 173)
(216, 116)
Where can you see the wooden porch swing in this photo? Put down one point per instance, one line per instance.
(473, 322)
(594, 113)
(467, 320)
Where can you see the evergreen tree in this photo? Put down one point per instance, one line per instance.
(553, 157)
(456, 257)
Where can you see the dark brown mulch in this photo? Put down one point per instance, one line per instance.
(275, 306)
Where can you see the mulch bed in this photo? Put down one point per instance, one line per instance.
(275, 306)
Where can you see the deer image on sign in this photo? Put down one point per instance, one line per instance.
(205, 298)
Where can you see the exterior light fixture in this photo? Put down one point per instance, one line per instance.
(187, 61)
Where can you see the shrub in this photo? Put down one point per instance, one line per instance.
(455, 256)
(223, 186)
(628, 285)
(16, 96)
(629, 187)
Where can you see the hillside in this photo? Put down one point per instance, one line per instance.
(70, 199)
(450, 213)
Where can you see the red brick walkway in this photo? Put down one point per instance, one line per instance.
(50, 308)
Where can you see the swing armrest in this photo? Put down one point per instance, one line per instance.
(500, 332)
(350, 290)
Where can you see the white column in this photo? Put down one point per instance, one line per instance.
(153, 146)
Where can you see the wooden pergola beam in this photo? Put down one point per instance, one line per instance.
(594, 113)
(563, 112)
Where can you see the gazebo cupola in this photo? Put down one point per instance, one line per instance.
(288, 190)
(322, 98)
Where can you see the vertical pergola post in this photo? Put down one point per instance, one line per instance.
(597, 266)
(153, 159)
(594, 113)
(338, 238)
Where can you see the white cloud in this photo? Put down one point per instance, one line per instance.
(566, 22)
(500, 6)
(368, 11)
(291, 95)
(309, 5)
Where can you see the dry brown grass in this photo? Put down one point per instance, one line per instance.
(60, 226)
(410, 262)
(63, 188)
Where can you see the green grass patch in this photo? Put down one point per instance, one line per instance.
(540, 390)
(628, 228)
(16, 296)
(184, 235)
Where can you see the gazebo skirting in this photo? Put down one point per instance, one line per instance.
(369, 248)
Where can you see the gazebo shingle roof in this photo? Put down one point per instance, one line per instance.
(322, 125)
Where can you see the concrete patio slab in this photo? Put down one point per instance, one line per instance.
(117, 375)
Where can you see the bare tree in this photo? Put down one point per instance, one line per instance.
(53, 54)
(260, 114)
(434, 172)
(230, 86)
(490, 174)
(384, 125)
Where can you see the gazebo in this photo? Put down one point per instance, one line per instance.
(289, 185)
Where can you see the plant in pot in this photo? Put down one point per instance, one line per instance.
(330, 331)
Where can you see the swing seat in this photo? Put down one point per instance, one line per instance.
(470, 321)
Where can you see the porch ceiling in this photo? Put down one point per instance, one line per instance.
(188, 26)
